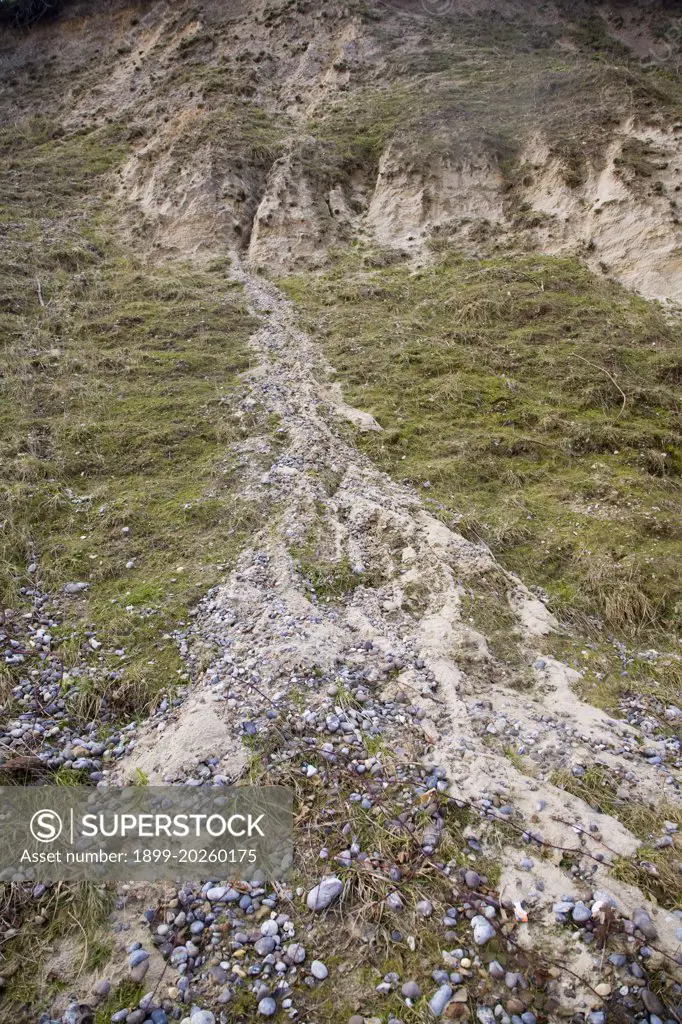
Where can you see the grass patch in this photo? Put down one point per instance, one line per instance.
(500, 382)
(66, 915)
(521, 763)
(126, 996)
(611, 676)
(119, 387)
(486, 607)
(329, 575)
(330, 580)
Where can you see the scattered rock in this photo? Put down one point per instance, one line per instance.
(439, 1000)
(482, 929)
(642, 920)
(324, 893)
(318, 970)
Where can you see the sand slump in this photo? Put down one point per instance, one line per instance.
(468, 703)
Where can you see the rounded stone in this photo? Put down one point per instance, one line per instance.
(581, 914)
(296, 953)
(138, 972)
(482, 929)
(318, 970)
(267, 1007)
(137, 956)
(651, 1001)
(411, 990)
(324, 893)
(643, 921)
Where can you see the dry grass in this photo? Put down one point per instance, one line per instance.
(356, 937)
(64, 912)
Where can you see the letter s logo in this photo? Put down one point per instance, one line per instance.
(46, 826)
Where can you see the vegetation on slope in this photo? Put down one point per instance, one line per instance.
(118, 385)
(536, 405)
(654, 868)
(479, 84)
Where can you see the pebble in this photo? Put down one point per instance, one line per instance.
(296, 953)
(138, 972)
(439, 1000)
(216, 893)
(482, 929)
(324, 893)
(581, 914)
(642, 920)
(651, 1001)
(267, 1007)
(318, 970)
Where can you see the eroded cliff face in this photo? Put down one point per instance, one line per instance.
(286, 129)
